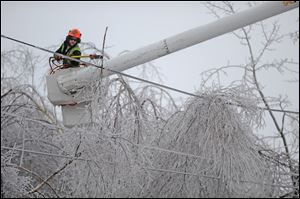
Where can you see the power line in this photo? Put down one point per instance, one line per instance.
(97, 66)
(130, 76)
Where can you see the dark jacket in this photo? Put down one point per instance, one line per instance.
(66, 50)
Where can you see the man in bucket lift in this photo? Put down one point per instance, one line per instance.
(70, 48)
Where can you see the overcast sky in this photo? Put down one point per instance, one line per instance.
(134, 24)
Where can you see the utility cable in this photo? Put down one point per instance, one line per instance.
(130, 76)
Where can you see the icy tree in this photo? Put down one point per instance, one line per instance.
(287, 159)
(99, 159)
(26, 124)
(219, 150)
(143, 143)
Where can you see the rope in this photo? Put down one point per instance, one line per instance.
(130, 76)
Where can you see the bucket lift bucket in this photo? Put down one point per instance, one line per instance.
(75, 110)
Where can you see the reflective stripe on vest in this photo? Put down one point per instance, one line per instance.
(70, 53)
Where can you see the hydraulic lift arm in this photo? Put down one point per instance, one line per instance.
(60, 83)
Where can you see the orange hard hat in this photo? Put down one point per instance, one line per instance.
(75, 33)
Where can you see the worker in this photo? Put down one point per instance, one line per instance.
(70, 48)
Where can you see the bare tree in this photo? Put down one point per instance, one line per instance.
(270, 36)
(143, 143)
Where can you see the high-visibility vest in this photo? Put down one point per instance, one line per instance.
(70, 53)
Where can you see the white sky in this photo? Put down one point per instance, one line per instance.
(135, 24)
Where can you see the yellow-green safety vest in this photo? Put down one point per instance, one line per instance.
(70, 53)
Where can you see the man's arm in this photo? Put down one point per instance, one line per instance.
(59, 50)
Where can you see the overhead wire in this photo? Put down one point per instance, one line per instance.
(131, 76)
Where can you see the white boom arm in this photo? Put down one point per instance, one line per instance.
(71, 79)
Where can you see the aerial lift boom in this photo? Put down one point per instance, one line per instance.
(74, 107)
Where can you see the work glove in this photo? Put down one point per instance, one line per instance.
(94, 56)
(57, 57)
